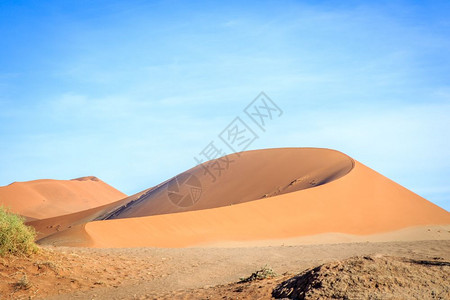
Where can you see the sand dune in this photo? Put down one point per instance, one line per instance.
(246, 176)
(40, 199)
(264, 195)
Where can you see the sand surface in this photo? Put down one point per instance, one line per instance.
(49, 226)
(46, 198)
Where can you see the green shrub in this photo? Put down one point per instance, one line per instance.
(263, 273)
(15, 237)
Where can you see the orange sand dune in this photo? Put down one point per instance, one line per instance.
(239, 178)
(325, 191)
(48, 198)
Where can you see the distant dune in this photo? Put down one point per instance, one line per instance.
(46, 198)
(263, 195)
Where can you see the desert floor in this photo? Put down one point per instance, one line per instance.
(189, 273)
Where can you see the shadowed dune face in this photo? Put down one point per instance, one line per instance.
(239, 178)
(46, 198)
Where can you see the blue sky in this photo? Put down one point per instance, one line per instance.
(131, 91)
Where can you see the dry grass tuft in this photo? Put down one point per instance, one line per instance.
(15, 237)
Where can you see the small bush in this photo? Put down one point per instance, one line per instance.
(15, 237)
(22, 284)
(264, 273)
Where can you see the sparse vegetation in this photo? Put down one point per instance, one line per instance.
(42, 265)
(22, 284)
(15, 237)
(263, 273)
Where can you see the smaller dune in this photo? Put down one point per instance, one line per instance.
(47, 198)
